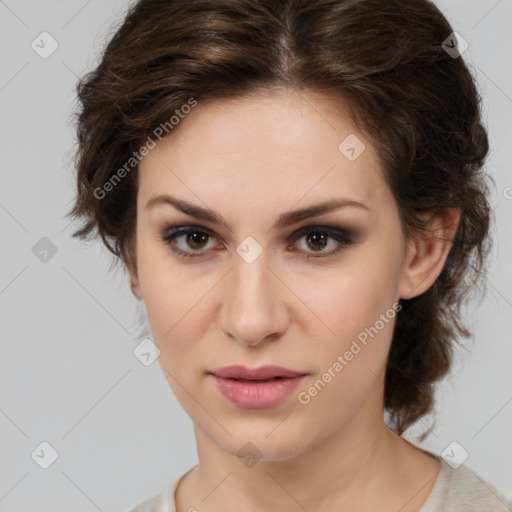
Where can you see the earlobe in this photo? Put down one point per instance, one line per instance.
(427, 253)
(131, 266)
(135, 287)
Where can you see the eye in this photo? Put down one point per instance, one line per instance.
(195, 240)
(318, 238)
(195, 237)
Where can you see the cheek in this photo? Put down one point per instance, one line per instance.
(361, 310)
(358, 305)
(350, 361)
(355, 296)
(167, 293)
(175, 297)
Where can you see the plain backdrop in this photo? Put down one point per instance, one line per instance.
(71, 388)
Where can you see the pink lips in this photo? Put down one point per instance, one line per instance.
(259, 388)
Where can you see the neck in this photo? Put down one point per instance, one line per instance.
(358, 463)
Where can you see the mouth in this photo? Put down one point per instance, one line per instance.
(259, 388)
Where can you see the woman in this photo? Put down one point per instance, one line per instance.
(296, 190)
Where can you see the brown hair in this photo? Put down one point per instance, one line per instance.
(417, 103)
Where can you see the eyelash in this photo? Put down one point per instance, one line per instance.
(341, 236)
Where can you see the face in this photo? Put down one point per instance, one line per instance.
(313, 294)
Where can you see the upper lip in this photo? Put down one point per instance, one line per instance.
(261, 373)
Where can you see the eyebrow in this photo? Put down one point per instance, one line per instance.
(284, 220)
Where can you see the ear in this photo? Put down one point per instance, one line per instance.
(131, 266)
(427, 253)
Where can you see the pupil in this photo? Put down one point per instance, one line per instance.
(196, 238)
(315, 238)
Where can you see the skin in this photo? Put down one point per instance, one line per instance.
(250, 160)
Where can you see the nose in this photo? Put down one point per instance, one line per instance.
(253, 306)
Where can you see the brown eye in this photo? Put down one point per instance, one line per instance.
(317, 238)
(196, 239)
(317, 241)
(187, 241)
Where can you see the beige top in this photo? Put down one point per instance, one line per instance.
(455, 490)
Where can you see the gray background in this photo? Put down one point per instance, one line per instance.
(69, 324)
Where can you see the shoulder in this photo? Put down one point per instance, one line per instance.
(162, 502)
(463, 490)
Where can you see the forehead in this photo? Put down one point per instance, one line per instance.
(278, 146)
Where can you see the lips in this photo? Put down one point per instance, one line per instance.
(259, 388)
(263, 373)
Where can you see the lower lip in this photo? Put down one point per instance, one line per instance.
(257, 395)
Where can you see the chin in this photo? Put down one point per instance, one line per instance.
(265, 444)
